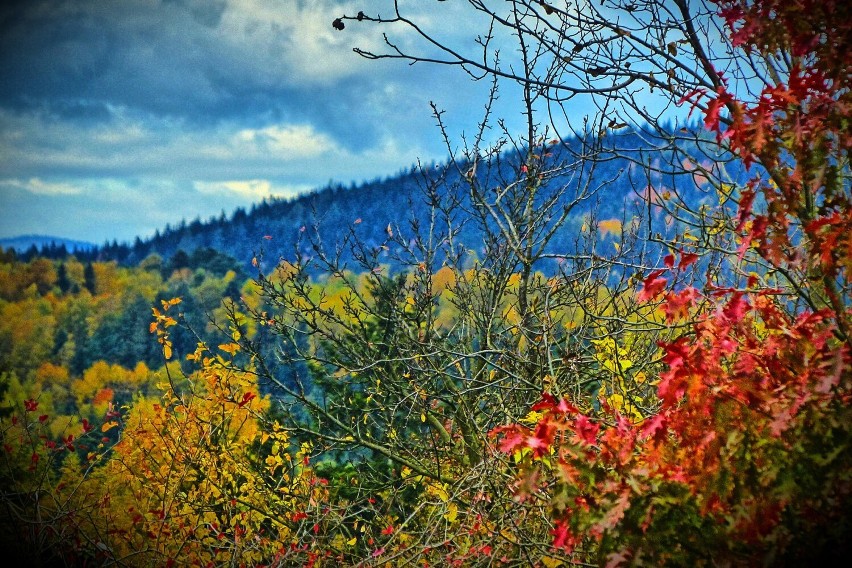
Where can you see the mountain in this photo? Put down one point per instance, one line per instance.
(284, 228)
(368, 210)
(52, 245)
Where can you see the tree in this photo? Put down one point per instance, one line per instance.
(771, 80)
(90, 279)
(407, 371)
(62, 280)
(738, 401)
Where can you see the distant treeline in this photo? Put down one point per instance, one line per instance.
(277, 229)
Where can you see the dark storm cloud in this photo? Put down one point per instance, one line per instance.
(200, 105)
(159, 60)
(196, 60)
(177, 57)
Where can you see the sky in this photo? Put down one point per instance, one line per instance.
(118, 117)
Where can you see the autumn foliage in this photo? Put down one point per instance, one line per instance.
(747, 459)
(481, 412)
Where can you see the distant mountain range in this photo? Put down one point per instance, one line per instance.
(26, 242)
(372, 210)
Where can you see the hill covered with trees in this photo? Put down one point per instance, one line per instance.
(285, 228)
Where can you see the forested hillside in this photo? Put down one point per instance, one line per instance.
(286, 228)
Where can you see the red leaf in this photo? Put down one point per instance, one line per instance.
(514, 437)
(586, 430)
(736, 307)
(677, 304)
(566, 407)
(562, 537)
(746, 201)
(711, 115)
(543, 438)
(547, 402)
(246, 399)
(655, 427)
(387, 530)
(30, 405)
(652, 286)
(687, 259)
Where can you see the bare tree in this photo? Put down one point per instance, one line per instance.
(404, 368)
(510, 288)
(647, 67)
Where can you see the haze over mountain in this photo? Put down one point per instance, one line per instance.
(25, 242)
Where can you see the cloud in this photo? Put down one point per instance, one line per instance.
(199, 63)
(39, 187)
(252, 190)
(36, 144)
(118, 117)
(188, 58)
(285, 141)
(297, 40)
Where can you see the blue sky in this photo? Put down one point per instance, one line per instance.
(120, 116)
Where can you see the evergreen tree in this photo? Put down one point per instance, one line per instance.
(62, 281)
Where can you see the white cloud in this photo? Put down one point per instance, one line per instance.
(251, 190)
(39, 146)
(280, 40)
(287, 141)
(39, 187)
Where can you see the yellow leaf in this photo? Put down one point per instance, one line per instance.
(109, 425)
(616, 401)
(230, 348)
(532, 418)
(352, 541)
(609, 226)
(452, 512)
